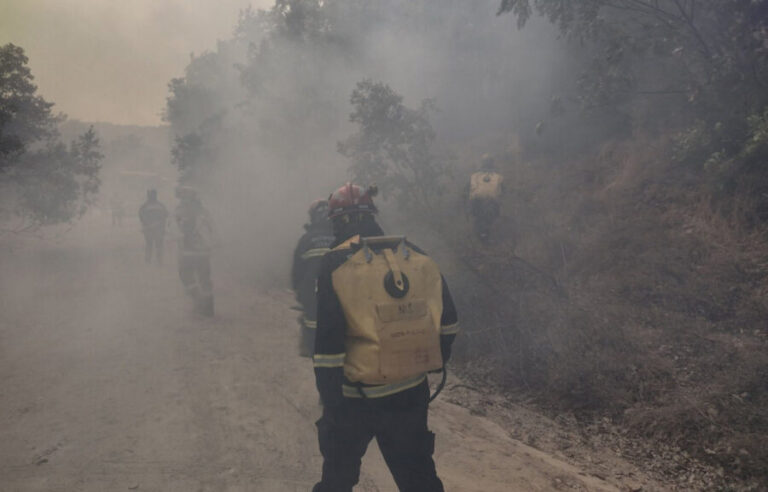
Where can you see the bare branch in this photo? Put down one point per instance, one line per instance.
(689, 22)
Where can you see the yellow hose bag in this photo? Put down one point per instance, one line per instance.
(485, 185)
(392, 300)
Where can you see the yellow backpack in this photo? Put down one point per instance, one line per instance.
(485, 185)
(392, 300)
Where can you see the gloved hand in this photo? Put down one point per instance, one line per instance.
(329, 381)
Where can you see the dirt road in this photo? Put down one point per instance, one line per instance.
(109, 382)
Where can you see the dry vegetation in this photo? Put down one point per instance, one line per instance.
(626, 296)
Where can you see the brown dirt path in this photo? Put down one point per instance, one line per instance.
(108, 382)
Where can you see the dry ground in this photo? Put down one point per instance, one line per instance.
(109, 382)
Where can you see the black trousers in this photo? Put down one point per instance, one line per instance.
(153, 242)
(399, 424)
(195, 274)
(484, 212)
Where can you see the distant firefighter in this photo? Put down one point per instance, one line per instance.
(315, 242)
(197, 235)
(153, 216)
(485, 190)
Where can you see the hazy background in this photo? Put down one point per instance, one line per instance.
(267, 102)
(257, 118)
(104, 60)
(626, 280)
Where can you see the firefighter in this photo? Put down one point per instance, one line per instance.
(485, 189)
(312, 246)
(153, 217)
(197, 235)
(385, 318)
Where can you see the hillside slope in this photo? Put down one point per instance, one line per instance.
(613, 290)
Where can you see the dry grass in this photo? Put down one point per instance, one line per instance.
(620, 289)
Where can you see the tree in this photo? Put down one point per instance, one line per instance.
(57, 183)
(48, 181)
(192, 157)
(710, 53)
(25, 117)
(695, 68)
(392, 146)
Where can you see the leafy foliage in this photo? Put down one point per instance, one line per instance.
(25, 117)
(734, 163)
(50, 182)
(698, 67)
(58, 183)
(267, 87)
(698, 49)
(392, 146)
(191, 156)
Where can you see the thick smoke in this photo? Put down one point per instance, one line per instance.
(270, 104)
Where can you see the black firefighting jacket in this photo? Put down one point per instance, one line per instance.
(307, 256)
(196, 227)
(330, 338)
(153, 216)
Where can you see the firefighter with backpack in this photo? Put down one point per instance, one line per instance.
(385, 318)
(485, 189)
(195, 247)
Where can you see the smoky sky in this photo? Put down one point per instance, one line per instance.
(111, 60)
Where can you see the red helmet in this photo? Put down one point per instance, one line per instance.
(351, 198)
